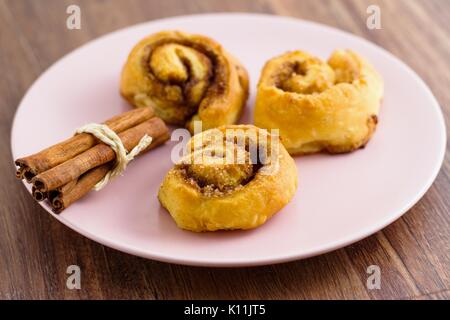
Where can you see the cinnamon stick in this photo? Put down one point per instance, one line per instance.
(98, 155)
(64, 196)
(42, 161)
(37, 194)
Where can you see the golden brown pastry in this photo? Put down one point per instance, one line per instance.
(319, 106)
(185, 77)
(234, 177)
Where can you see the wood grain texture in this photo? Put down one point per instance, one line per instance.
(35, 250)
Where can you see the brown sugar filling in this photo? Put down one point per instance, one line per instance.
(313, 76)
(197, 73)
(214, 176)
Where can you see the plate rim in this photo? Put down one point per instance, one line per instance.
(286, 257)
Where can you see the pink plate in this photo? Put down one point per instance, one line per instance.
(340, 199)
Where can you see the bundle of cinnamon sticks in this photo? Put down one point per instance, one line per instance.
(65, 172)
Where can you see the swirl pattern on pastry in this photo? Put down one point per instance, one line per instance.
(319, 106)
(232, 177)
(185, 77)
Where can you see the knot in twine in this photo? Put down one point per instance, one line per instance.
(109, 137)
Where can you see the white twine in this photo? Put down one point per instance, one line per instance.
(109, 137)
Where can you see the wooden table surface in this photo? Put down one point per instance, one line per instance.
(35, 250)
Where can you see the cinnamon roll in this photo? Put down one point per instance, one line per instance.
(232, 177)
(185, 77)
(319, 106)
